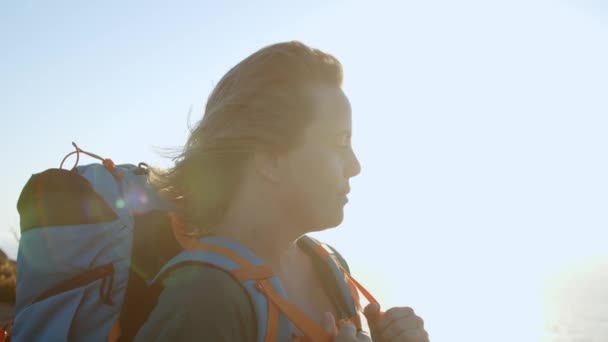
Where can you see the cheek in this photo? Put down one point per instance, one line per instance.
(320, 175)
(315, 172)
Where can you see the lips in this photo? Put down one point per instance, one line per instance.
(344, 196)
(345, 192)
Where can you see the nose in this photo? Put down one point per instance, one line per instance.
(353, 166)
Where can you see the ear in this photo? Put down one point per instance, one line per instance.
(267, 164)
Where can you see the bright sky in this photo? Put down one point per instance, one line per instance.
(480, 125)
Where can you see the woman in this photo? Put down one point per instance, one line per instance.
(269, 162)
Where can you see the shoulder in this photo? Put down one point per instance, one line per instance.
(199, 276)
(202, 287)
(200, 302)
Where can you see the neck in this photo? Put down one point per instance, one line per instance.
(266, 232)
(269, 244)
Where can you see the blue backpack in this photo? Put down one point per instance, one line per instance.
(94, 241)
(84, 251)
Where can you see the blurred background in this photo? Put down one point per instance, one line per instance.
(481, 127)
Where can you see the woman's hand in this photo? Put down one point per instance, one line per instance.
(398, 324)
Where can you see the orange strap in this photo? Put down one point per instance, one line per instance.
(364, 291)
(360, 287)
(115, 332)
(311, 329)
(322, 250)
(246, 270)
(272, 325)
(325, 252)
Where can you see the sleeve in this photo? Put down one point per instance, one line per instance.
(200, 303)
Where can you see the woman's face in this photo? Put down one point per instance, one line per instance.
(315, 174)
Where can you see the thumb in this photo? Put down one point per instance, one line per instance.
(329, 323)
(372, 313)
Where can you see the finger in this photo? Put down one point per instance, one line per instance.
(410, 324)
(413, 336)
(399, 312)
(393, 315)
(329, 323)
(372, 313)
(348, 332)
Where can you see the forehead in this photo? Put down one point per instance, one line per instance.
(331, 108)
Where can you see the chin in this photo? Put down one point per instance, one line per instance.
(321, 229)
(328, 222)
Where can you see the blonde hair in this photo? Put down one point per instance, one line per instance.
(262, 102)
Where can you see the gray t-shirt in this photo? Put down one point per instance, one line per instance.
(200, 303)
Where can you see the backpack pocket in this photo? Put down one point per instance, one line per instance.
(49, 319)
(57, 315)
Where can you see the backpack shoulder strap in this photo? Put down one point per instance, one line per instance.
(275, 314)
(336, 278)
(223, 254)
(248, 270)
